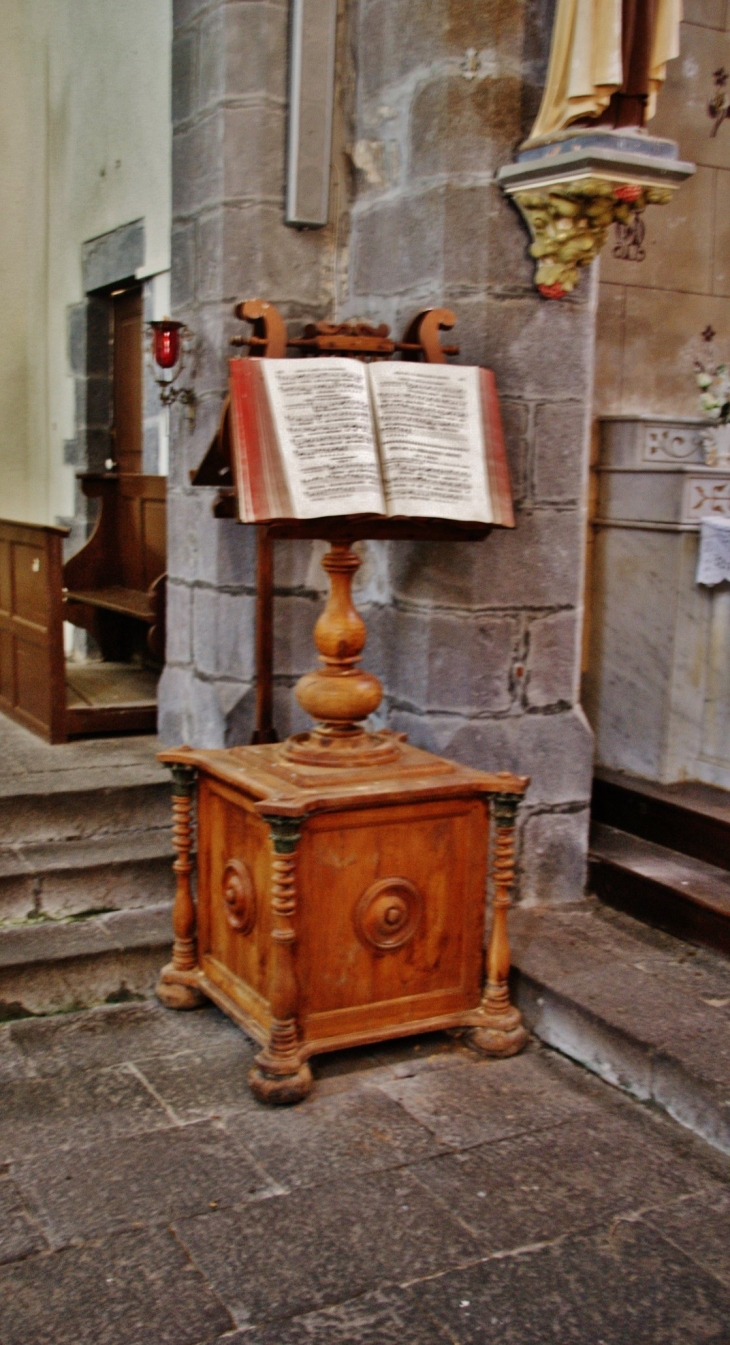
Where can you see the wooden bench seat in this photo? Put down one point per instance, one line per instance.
(115, 585)
(125, 601)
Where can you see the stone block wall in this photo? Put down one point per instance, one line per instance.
(477, 644)
(229, 242)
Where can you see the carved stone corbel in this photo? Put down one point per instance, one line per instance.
(571, 189)
(570, 222)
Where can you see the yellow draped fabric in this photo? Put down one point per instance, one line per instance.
(585, 66)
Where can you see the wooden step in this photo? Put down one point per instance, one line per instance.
(685, 896)
(690, 817)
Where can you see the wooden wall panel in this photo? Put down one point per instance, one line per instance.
(32, 681)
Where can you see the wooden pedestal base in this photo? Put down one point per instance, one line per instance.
(280, 1090)
(504, 1035)
(337, 908)
(178, 993)
(341, 879)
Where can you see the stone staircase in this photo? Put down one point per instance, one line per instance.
(85, 877)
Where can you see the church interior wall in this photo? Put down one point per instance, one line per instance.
(651, 313)
(84, 118)
(477, 645)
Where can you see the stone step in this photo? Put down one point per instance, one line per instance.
(90, 807)
(86, 880)
(53, 966)
(109, 871)
(691, 817)
(78, 791)
(686, 897)
(642, 1009)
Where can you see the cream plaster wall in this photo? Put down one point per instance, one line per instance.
(85, 147)
(651, 313)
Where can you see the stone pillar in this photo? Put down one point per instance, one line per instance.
(229, 242)
(477, 644)
(482, 640)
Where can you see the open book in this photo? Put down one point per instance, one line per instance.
(326, 437)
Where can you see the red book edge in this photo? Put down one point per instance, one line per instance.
(257, 469)
(497, 469)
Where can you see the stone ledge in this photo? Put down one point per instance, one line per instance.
(62, 940)
(80, 855)
(643, 1010)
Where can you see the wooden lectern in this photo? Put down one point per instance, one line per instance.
(341, 875)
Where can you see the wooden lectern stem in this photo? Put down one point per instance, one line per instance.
(340, 694)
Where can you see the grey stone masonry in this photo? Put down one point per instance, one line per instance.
(477, 644)
(229, 242)
(113, 256)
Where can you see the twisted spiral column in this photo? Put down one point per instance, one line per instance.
(500, 1031)
(280, 1075)
(175, 987)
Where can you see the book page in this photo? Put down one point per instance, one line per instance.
(321, 411)
(431, 440)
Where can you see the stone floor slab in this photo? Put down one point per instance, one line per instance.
(386, 1317)
(125, 1032)
(19, 1234)
(13, 1063)
(584, 1172)
(324, 1245)
(332, 1137)
(146, 1179)
(700, 1227)
(473, 1103)
(625, 1287)
(201, 1084)
(132, 1289)
(43, 1116)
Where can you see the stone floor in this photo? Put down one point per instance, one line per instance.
(31, 766)
(419, 1196)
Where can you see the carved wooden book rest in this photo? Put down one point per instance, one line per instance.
(341, 875)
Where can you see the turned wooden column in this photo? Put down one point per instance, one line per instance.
(176, 986)
(280, 1075)
(500, 1031)
(339, 693)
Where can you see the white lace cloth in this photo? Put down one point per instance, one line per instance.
(713, 564)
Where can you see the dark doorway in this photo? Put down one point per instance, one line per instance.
(127, 322)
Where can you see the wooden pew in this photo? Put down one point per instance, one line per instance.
(113, 587)
(116, 583)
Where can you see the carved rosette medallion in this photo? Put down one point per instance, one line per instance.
(239, 896)
(388, 914)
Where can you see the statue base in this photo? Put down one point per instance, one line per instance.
(572, 188)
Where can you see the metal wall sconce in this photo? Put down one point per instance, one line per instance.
(170, 344)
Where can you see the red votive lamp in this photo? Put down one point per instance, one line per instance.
(166, 342)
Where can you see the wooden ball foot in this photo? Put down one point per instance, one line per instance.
(175, 993)
(503, 1034)
(282, 1090)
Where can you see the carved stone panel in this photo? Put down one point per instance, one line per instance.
(706, 497)
(672, 443)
